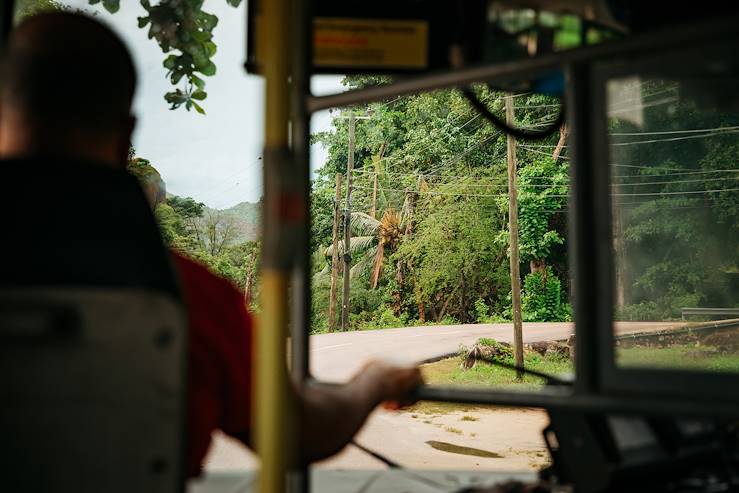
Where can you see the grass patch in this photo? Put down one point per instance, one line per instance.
(451, 429)
(448, 372)
(683, 357)
(469, 418)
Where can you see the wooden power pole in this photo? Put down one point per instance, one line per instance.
(335, 257)
(347, 227)
(513, 231)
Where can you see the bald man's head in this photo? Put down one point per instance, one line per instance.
(67, 74)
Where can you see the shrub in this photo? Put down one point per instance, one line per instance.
(541, 299)
(482, 311)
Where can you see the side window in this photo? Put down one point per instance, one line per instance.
(674, 149)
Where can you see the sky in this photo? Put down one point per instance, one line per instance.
(213, 158)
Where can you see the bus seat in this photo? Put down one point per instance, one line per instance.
(92, 335)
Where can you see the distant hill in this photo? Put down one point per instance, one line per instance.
(246, 216)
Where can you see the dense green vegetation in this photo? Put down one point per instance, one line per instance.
(429, 209)
(223, 240)
(676, 206)
(436, 248)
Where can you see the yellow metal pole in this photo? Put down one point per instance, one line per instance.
(273, 416)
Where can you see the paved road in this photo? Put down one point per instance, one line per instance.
(335, 357)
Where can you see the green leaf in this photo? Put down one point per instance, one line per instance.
(199, 95)
(142, 21)
(176, 76)
(207, 21)
(209, 70)
(200, 36)
(170, 62)
(210, 48)
(233, 3)
(112, 6)
(198, 108)
(199, 58)
(197, 81)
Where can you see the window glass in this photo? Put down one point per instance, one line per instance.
(429, 267)
(674, 154)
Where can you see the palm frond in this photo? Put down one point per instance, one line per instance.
(363, 224)
(323, 272)
(364, 262)
(357, 245)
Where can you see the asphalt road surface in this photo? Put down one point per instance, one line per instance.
(335, 357)
(403, 437)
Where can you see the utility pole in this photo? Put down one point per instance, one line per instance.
(377, 161)
(251, 263)
(347, 228)
(334, 257)
(513, 231)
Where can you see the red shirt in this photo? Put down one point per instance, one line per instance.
(219, 360)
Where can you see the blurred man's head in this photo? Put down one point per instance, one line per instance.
(67, 87)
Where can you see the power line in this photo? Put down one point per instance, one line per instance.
(610, 111)
(478, 177)
(691, 192)
(645, 194)
(566, 185)
(731, 130)
(644, 96)
(673, 139)
(668, 132)
(681, 170)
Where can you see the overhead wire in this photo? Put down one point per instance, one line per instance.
(630, 194)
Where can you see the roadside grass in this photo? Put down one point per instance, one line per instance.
(449, 372)
(683, 357)
(484, 374)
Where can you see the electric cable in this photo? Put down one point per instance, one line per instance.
(501, 125)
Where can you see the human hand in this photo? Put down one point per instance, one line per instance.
(394, 383)
(510, 487)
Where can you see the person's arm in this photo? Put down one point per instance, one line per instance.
(331, 416)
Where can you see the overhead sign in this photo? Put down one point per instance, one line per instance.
(370, 43)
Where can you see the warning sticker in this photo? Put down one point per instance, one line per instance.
(370, 43)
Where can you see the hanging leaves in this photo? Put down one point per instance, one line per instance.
(184, 32)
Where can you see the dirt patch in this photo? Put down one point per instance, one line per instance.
(726, 341)
(461, 449)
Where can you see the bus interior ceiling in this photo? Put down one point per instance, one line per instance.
(612, 427)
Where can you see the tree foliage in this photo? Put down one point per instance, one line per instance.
(434, 171)
(203, 234)
(184, 32)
